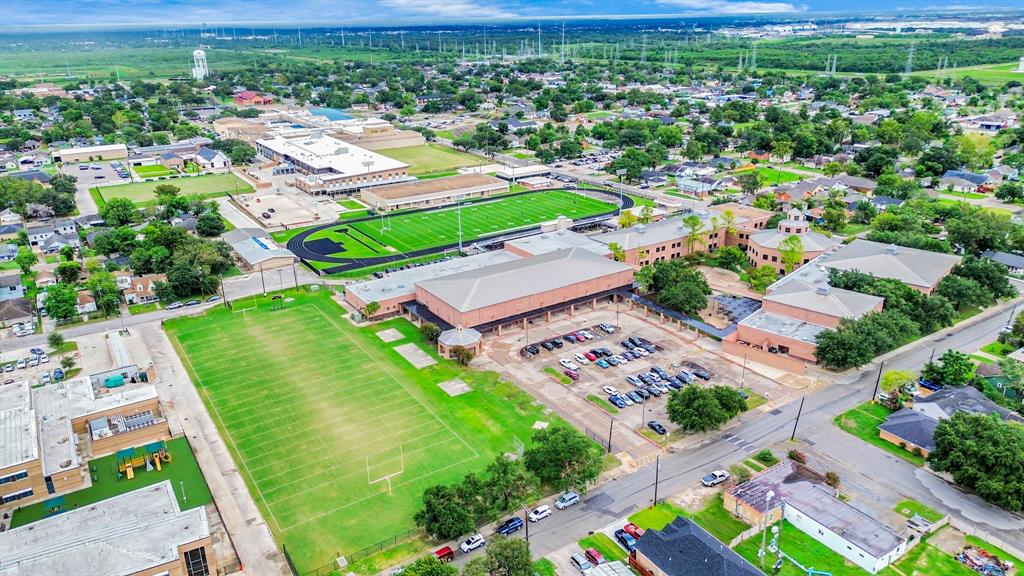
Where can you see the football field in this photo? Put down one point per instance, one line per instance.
(408, 232)
(336, 434)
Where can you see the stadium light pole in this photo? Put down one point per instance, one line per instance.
(764, 521)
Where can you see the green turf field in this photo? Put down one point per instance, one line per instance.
(317, 412)
(209, 186)
(154, 171)
(409, 232)
(432, 158)
(771, 176)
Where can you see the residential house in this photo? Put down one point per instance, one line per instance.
(8, 252)
(801, 495)
(212, 160)
(1015, 262)
(251, 98)
(37, 176)
(10, 231)
(172, 161)
(700, 187)
(964, 181)
(41, 233)
(123, 279)
(86, 303)
(45, 278)
(16, 311)
(90, 221)
(11, 286)
(683, 548)
(142, 290)
(8, 216)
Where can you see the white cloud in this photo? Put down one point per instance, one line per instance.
(741, 7)
(461, 9)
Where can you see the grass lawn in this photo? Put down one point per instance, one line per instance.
(350, 204)
(418, 230)
(154, 171)
(608, 548)
(804, 549)
(909, 508)
(753, 465)
(863, 422)
(772, 176)
(997, 348)
(314, 410)
(640, 200)
(182, 468)
(713, 517)
(927, 560)
(432, 158)
(544, 567)
(561, 378)
(754, 399)
(963, 195)
(853, 228)
(208, 186)
(965, 313)
(603, 404)
(143, 308)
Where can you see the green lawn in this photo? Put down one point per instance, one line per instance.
(640, 200)
(314, 409)
(608, 548)
(544, 567)
(432, 158)
(909, 508)
(771, 176)
(927, 560)
(408, 232)
(604, 405)
(143, 308)
(154, 171)
(208, 186)
(558, 376)
(713, 517)
(863, 422)
(804, 549)
(968, 195)
(350, 204)
(182, 468)
(997, 348)
(754, 399)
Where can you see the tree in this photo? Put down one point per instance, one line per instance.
(563, 458)
(766, 202)
(209, 224)
(729, 399)
(165, 190)
(989, 273)
(984, 454)
(696, 409)
(67, 252)
(430, 565)
(509, 557)
(896, 379)
(954, 368)
(694, 225)
(963, 292)
(55, 340)
(25, 260)
(750, 182)
(644, 277)
(509, 486)
(462, 355)
(164, 291)
(762, 277)
(687, 292)
(121, 211)
(67, 362)
(1010, 192)
(68, 272)
(617, 252)
(104, 290)
(371, 308)
(430, 332)
(444, 515)
(627, 219)
(791, 249)
(61, 300)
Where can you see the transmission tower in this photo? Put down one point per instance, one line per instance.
(753, 59)
(910, 60)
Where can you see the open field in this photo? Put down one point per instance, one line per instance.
(318, 414)
(772, 176)
(993, 74)
(182, 471)
(432, 158)
(862, 421)
(154, 171)
(150, 63)
(409, 232)
(208, 186)
(713, 517)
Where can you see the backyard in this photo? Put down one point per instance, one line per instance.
(862, 421)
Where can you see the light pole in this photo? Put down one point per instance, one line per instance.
(764, 521)
(184, 497)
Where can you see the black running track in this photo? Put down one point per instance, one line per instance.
(298, 245)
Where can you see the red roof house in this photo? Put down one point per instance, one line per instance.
(250, 98)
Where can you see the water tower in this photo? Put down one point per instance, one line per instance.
(199, 68)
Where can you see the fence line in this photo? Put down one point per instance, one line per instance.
(332, 567)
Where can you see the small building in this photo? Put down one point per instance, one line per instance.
(432, 192)
(765, 247)
(467, 338)
(142, 290)
(172, 161)
(8, 252)
(11, 287)
(212, 160)
(909, 429)
(16, 311)
(256, 249)
(538, 183)
(683, 548)
(251, 98)
(1013, 262)
(86, 302)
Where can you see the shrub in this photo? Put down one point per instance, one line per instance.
(766, 457)
(739, 474)
(797, 456)
(832, 479)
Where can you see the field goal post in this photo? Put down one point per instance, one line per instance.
(387, 477)
(518, 447)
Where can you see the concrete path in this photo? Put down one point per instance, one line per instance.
(249, 533)
(232, 214)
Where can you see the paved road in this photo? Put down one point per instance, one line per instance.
(683, 469)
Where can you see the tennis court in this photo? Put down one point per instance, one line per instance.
(336, 434)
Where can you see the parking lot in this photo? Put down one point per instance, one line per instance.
(97, 173)
(674, 352)
(21, 364)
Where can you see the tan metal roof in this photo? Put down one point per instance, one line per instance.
(435, 185)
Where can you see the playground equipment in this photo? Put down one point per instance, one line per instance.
(154, 456)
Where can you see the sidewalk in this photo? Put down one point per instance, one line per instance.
(246, 528)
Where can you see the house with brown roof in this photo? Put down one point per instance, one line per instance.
(141, 290)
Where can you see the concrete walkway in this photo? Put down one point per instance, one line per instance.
(249, 533)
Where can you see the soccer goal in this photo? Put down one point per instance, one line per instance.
(243, 305)
(384, 468)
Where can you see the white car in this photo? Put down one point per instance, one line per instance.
(33, 361)
(539, 513)
(473, 543)
(44, 359)
(641, 352)
(569, 364)
(587, 334)
(21, 363)
(582, 359)
(715, 478)
(620, 358)
(610, 390)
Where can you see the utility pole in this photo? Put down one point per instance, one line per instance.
(657, 474)
(611, 423)
(878, 380)
(797, 422)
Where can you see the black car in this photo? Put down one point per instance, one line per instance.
(557, 343)
(634, 342)
(628, 355)
(627, 345)
(511, 525)
(654, 390)
(660, 372)
(701, 373)
(686, 377)
(645, 378)
(658, 428)
(643, 393)
(548, 346)
(674, 382)
(533, 349)
(649, 347)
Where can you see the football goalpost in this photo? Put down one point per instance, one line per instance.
(387, 477)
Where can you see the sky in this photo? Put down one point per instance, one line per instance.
(180, 13)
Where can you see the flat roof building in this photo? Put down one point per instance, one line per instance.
(432, 192)
(139, 533)
(330, 165)
(90, 153)
(256, 249)
(555, 240)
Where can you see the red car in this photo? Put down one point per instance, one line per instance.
(633, 530)
(590, 356)
(572, 374)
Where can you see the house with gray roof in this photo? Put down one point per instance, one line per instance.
(909, 429)
(11, 287)
(683, 548)
(1015, 262)
(255, 249)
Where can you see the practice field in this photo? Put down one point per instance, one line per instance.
(432, 158)
(319, 415)
(208, 186)
(418, 230)
(154, 171)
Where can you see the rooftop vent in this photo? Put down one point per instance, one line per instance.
(823, 290)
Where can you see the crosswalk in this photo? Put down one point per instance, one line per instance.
(739, 442)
